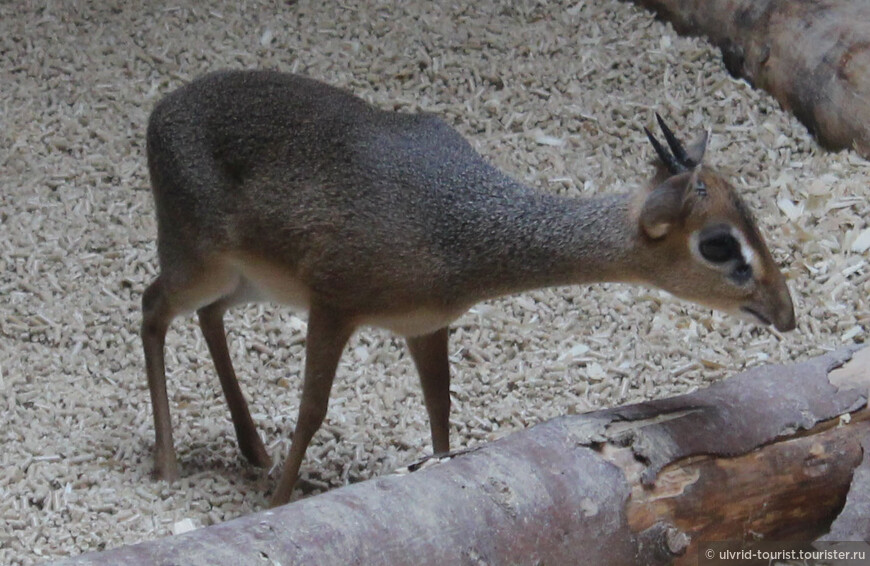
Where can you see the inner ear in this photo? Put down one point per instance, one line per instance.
(665, 206)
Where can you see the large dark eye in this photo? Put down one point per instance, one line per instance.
(720, 248)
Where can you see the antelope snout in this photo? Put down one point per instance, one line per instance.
(774, 307)
(783, 308)
(784, 318)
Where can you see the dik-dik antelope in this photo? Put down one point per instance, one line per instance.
(271, 186)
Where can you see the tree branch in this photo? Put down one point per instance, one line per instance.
(813, 56)
(641, 484)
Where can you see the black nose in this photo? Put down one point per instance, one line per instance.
(786, 322)
(784, 317)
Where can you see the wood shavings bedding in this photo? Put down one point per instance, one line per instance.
(556, 94)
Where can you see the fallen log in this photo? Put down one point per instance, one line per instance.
(768, 454)
(813, 56)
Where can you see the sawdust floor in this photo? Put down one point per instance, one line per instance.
(554, 93)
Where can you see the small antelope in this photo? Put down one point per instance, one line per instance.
(271, 186)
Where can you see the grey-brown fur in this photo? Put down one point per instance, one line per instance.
(273, 185)
(368, 205)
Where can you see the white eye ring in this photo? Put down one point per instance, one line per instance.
(745, 250)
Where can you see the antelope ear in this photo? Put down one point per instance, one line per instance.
(698, 148)
(664, 206)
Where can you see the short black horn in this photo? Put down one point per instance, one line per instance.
(672, 165)
(679, 151)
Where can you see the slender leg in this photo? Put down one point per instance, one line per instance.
(327, 335)
(156, 316)
(212, 325)
(430, 356)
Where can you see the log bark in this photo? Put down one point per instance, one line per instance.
(768, 453)
(813, 56)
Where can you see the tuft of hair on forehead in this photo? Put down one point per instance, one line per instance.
(661, 174)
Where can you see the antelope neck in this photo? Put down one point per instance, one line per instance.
(542, 240)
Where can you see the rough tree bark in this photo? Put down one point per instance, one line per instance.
(641, 484)
(812, 55)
